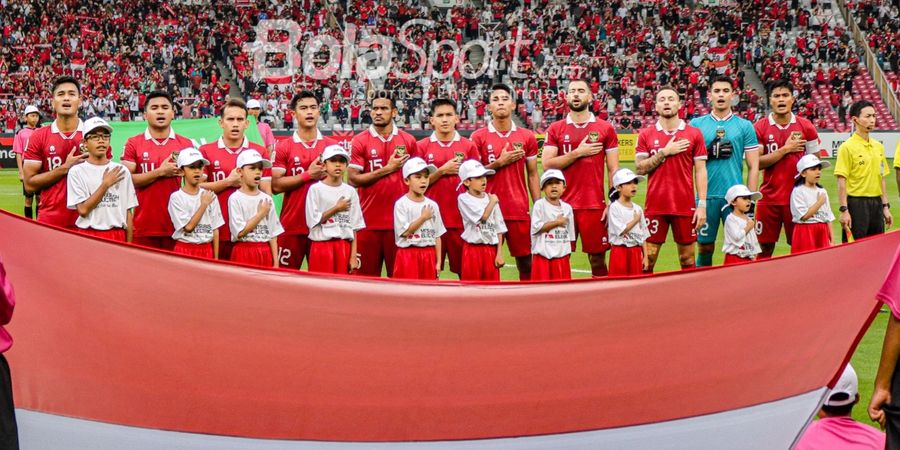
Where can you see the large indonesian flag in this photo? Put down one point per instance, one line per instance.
(122, 347)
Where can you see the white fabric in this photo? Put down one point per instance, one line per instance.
(802, 198)
(617, 220)
(242, 208)
(182, 207)
(557, 242)
(471, 209)
(737, 241)
(112, 211)
(406, 212)
(322, 197)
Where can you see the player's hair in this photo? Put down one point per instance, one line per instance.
(800, 180)
(64, 80)
(301, 95)
(856, 108)
(779, 83)
(580, 80)
(158, 94)
(385, 95)
(669, 87)
(235, 102)
(722, 79)
(442, 102)
(504, 88)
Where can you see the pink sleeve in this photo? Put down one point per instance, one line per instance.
(890, 291)
(268, 136)
(18, 144)
(7, 297)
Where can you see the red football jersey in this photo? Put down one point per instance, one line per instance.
(778, 179)
(370, 152)
(222, 160)
(51, 148)
(509, 182)
(670, 189)
(444, 191)
(151, 218)
(585, 188)
(295, 156)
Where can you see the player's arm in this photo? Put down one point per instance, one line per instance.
(262, 211)
(888, 218)
(233, 180)
(354, 259)
(358, 178)
(129, 226)
(752, 157)
(890, 351)
(273, 246)
(700, 180)
(36, 181)
(215, 243)
(206, 198)
(19, 161)
(437, 251)
(553, 161)
(534, 185)
(769, 159)
(343, 204)
(427, 213)
(842, 201)
(897, 175)
(166, 170)
(612, 165)
(492, 203)
(506, 157)
(498, 261)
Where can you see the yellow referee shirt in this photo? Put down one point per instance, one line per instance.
(863, 164)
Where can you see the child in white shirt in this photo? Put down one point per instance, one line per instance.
(194, 211)
(627, 227)
(810, 208)
(417, 226)
(252, 218)
(741, 244)
(483, 225)
(552, 231)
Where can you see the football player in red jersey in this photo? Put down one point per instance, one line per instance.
(582, 146)
(376, 157)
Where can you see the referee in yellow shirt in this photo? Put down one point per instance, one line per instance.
(861, 168)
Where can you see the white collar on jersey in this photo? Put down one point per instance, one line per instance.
(394, 132)
(494, 130)
(147, 136)
(221, 143)
(456, 138)
(297, 139)
(569, 121)
(724, 119)
(681, 126)
(772, 121)
(55, 129)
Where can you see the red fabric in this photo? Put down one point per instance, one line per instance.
(478, 263)
(466, 361)
(771, 218)
(416, 263)
(376, 247)
(543, 269)
(162, 243)
(518, 237)
(329, 256)
(734, 259)
(451, 249)
(810, 236)
(293, 249)
(626, 261)
(253, 253)
(593, 232)
(682, 229)
(116, 234)
(194, 250)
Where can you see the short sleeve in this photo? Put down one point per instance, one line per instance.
(468, 211)
(179, 212)
(439, 228)
(890, 290)
(616, 219)
(735, 231)
(531, 148)
(357, 154)
(281, 156)
(611, 143)
(129, 153)
(842, 164)
(275, 228)
(236, 218)
(537, 217)
(215, 215)
(130, 194)
(498, 219)
(401, 221)
(699, 149)
(356, 217)
(76, 189)
(751, 144)
(570, 226)
(313, 208)
(641, 147)
(34, 147)
(551, 139)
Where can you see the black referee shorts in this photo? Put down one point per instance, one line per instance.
(866, 216)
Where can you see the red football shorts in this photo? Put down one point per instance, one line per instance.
(543, 269)
(682, 228)
(478, 263)
(518, 237)
(810, 236)
(293, 249)
(225, 250)
(252, 253)
(451, 249)
(115, 234)
(160, 242)
(330, 256)
(625, 261)
(592, 230)
(416, 263)
(770, 219)
(194, 250)
(375, 247)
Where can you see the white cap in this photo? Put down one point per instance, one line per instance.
(253, 103)
(95, 123)
(416, 165)
(847, 384)
(190, 155)
(808, 161)
(31, 109)
(623, 176)
(552, 174)
(472, 169)
(335, 150)
(248, 157)
(739, 190)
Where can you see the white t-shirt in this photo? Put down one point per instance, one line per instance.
(617, 220)
(112, 212)
(802, 198)
(182, 207)
(557, 242)
(737, 241)
(242, 208)
(322, 197)
(471, 209)
(407, 211)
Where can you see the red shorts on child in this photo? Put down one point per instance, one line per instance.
(625, 260)
(115, 234)
(252, 253)
(810, 236)
(194, 250)
(478, 262)
(416, 263)
(734, 259)
(543, 269)
(329, 256)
